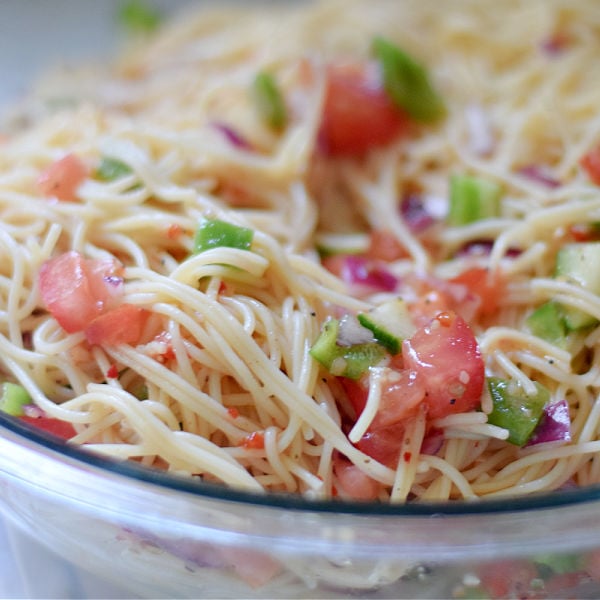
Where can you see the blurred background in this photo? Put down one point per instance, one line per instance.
(35, 34)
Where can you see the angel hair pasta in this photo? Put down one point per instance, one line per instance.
(336, 249)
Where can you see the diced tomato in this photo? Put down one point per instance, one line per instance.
(584, 232)
(76, 290)
(591, 163)
(446, 356)
(488, 287)
(400, 398)
(254, 441)
(56, 427)
(354, 482)
(384, 246)
(174, 231)
(233, 412)
(508, 578)
(440, 367)
(251, 565)
(358, 115)
(437, 295)
(112, 372)
(121, 325)
(383, 444)
(62, 178)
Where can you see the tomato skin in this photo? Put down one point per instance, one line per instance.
(490, 288)
(445, 354)
(508, 578)
(62, 178)
(357, 113)
(354, 482)
(400, 399)
(383, 444)
(76, 290)
(384, 246)
(440, 367)
(121, 325)
(62, 429)
(591, 163)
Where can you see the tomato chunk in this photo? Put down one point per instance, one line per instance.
(446, 356)
(358, 115)
(76, 290)
(56, 427)
(591, 163)
(121, 325)
(489, 288)
(62, 178)
(354, 482)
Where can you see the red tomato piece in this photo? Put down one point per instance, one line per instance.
(56, 427)
(383, 444)
(358, 115)
(400, 398)
(354, 482)
(591, 163)
(446, 357)
(121, 325)
(62, 178)
(508, 578)
(490, 288)
(76, 290)
(254, 441)
(384, 246)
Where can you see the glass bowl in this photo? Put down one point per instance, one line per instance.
(159, 535)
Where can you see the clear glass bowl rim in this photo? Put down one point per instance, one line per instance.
(165, 481)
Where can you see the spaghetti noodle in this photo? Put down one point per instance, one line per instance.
(219, 381)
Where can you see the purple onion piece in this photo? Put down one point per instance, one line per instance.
(415, 213)
(540, 175)
(359, 270)
(232, 136)
(34, 411)
(484, 248)
(554, 426)
(433, 443)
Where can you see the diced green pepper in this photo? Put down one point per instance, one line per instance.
(514, 410)
(407, 82)
(269, 100)
(472, 199)
(214, 233)
(12, 399)
(139, 17)
(111, 169)
(548, 322)
(346, 361)
(559, 563)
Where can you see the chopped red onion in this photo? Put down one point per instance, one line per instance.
(484, 248)
(541, 175)
(232, 136)
(352, 332)
(415, 213)
(359, 270)
(432, 443)
(554, 426)
(34, 411)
